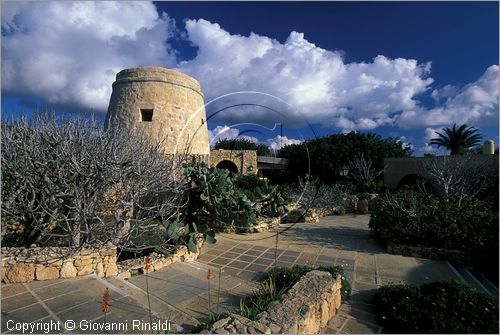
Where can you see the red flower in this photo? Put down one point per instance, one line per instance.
(105, 301)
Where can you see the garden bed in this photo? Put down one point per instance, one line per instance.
(459, 256)
(157, 261)
(439, 307)
(306, 308)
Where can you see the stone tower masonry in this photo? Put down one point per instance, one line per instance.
(161, 102)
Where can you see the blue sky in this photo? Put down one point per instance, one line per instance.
(400, 69)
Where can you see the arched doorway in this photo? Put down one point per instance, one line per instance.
(415, 180)
(227, 165)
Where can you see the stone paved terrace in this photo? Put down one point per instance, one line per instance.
(180, 292)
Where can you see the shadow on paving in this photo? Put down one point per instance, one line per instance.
(336, 237)
(181, 292)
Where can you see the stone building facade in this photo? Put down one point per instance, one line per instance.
(162, 103)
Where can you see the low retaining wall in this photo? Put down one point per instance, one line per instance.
(430, 253)
(131, 267)
(21, 265)
(263, 224)
(305, 309)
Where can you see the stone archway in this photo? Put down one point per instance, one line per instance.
(245, 161)
(227, 165)
(410, 180)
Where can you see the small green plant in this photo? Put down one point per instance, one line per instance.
(212, 318)
(249, 312)
(267, 293)
(260, 300)
(251, 185)
(439, 307)
(278, 281)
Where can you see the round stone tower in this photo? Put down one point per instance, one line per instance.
(163, 103)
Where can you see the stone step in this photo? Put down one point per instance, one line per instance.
(473, 279)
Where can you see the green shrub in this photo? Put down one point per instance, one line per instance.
(440, 307)
(213, 191)
(251, 185)
(311, 193)
(229, 200)
(409, 217)
(370, 186)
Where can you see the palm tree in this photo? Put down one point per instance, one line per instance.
(457, 139)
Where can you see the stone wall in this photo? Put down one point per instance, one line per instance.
(20, 265)
(262, 225)
(174, 100)
(395, 169)
(245, 160)
(131, 267)
(305, 309)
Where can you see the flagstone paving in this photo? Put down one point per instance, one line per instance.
(182, 294)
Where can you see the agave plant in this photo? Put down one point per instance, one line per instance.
(457, 140)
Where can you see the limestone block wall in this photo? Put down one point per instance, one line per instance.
(160, 102)
(245, 160)
(305, 309)
(130, 267)
(20, 265)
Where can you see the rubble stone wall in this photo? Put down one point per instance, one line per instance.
(20, 265)
(305, 309)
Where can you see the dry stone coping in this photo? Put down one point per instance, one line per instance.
(263, 224)
(297, 213)
(131, 267)
(306, 308)
(21, 265)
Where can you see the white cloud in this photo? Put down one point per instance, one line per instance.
(448, 91)
(279, 142)
(316, 82)
(430, 133)
(70, 52)
(227, 133)
(404, 143)
(427, 148)
(475, 103)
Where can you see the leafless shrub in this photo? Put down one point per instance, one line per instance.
(57, 178)
(310, 193)
(361, 169)
(456, 177)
